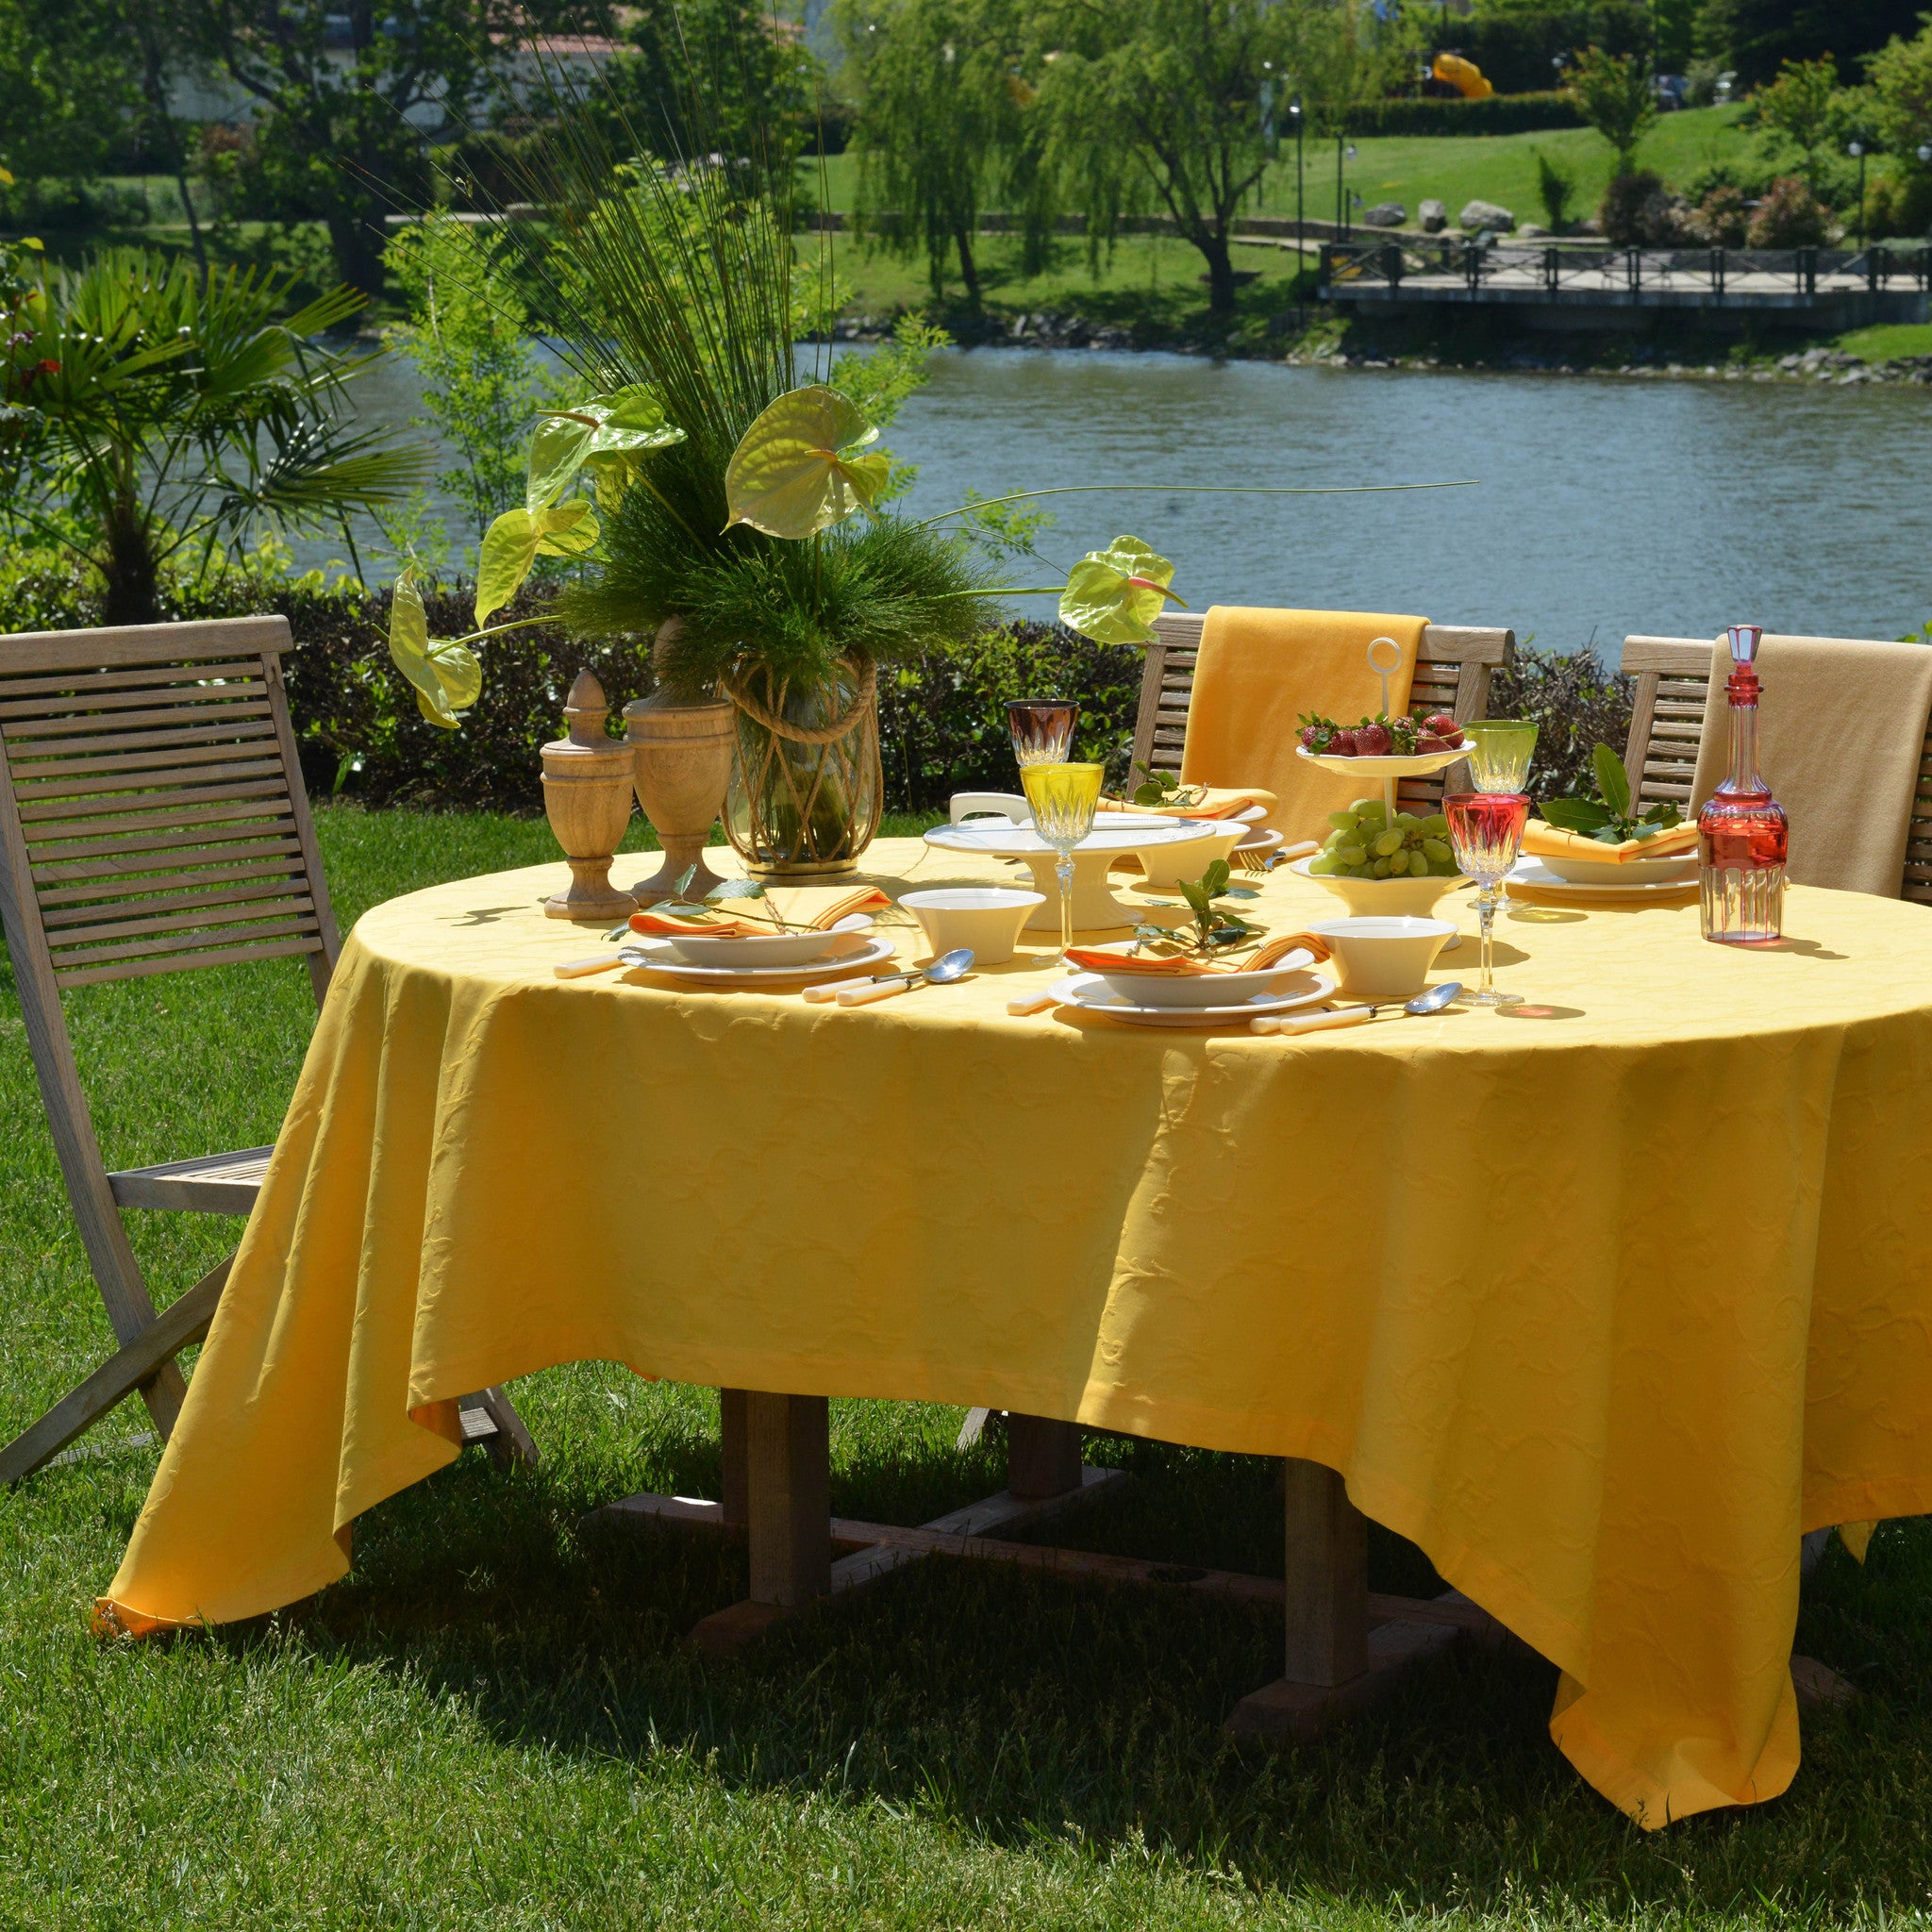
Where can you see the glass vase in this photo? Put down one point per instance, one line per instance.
(805, 788)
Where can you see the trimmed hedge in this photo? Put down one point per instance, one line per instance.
(942, 724)
(1498, 114)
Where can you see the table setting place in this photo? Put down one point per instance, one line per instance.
(1203, 949)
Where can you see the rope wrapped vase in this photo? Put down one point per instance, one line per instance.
(805, 788)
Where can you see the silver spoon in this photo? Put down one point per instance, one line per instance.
(942, 972)
(1431, 1002)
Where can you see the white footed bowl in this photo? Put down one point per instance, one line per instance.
(986, 918)
(1168, 865)
(1384, 958)
(1410, 898)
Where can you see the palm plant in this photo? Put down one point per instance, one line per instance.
(151, 413)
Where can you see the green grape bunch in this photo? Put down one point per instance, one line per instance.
(1366, 844)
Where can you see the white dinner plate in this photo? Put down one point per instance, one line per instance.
(1112, 832)
(852, 951)
(1090, 994)
(1538, 877)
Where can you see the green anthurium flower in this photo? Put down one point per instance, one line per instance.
(1113, 595)
(446, 676)
(610, 436)
(519, 537)
(794, 471)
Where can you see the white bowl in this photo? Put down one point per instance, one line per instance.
(752, 949)
(1204, 988)
(986, 918)
(1168, 865)
(1384, 958)
(1411, 898)
(1631, 871)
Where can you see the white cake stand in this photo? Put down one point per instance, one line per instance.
(1387, 769)
(1093, 906)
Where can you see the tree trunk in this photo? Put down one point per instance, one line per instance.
(131, 587)
(969, 274)
(1220, 261)
(358, 251)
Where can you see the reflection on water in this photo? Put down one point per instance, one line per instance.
(1603, 507)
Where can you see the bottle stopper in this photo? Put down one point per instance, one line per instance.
(1744, 640)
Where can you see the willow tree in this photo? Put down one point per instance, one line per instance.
(1178, 106)
(940, 126)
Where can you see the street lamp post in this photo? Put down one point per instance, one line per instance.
(1857, 150)
(1301, 253)
(1341, 195)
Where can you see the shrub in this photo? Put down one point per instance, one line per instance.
(1639, 212)
(1556, 186)
(1722, 219)
(1899, 204)
(1790, 216)
(1536, 113)
(1576, 701)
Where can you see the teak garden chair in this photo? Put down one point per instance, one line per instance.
(1672, 676)
(153, 820)
(1451, 674)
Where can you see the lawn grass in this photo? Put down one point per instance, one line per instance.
(1886, 339)
(1452, 168)
(490, 1723)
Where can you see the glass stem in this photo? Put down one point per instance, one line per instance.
(1485, 917)
(1063, 870)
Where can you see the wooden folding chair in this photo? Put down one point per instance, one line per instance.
(1672, 676)
(153, 820)
(1451, 674)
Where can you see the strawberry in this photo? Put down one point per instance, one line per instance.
(1343, 745)
(1372, 741)
(1443, 726)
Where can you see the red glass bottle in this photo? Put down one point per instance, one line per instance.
(1743, 835)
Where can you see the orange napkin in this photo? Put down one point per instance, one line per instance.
(1256, 672)
(1541, 840)
(1181, 966)
(1217, 805)
(798, 909)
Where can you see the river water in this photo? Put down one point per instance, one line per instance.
(1600, 507)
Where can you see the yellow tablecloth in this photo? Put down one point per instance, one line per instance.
(1602, 1303)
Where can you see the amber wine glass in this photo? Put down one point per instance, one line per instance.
(1043, 729)
(1064, 799)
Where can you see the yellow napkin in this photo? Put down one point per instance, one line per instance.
(821, 907)
(1257, 671)
(1182, 966)
(1215, 805)
(1840, 732)
(1541, 840)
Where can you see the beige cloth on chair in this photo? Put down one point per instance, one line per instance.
(1840, 734)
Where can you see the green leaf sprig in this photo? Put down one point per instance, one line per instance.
(1609, 818)
(1216, 926)
(1163, 788)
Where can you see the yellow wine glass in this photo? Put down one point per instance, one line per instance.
(1064, 799)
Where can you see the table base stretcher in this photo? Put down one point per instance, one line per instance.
(1344, 1644)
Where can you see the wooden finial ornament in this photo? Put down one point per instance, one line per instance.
(586, 792)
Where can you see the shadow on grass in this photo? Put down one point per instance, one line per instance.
(1018, 1706)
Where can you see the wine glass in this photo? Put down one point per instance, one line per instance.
(1063, 798)
(1043, 729)
(1500, 750)
(1486, 830)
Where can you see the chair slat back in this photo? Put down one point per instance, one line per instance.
(1452, 674)
(1673, 681)
(152, 812)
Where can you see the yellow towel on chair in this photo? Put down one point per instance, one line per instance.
(1257, 671)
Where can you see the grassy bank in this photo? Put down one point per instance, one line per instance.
(491, 1724)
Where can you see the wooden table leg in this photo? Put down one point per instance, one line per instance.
(788, 1492)
(736, 1479)
(1043, 1456)
(1327, 1619)
(1335, 1662)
